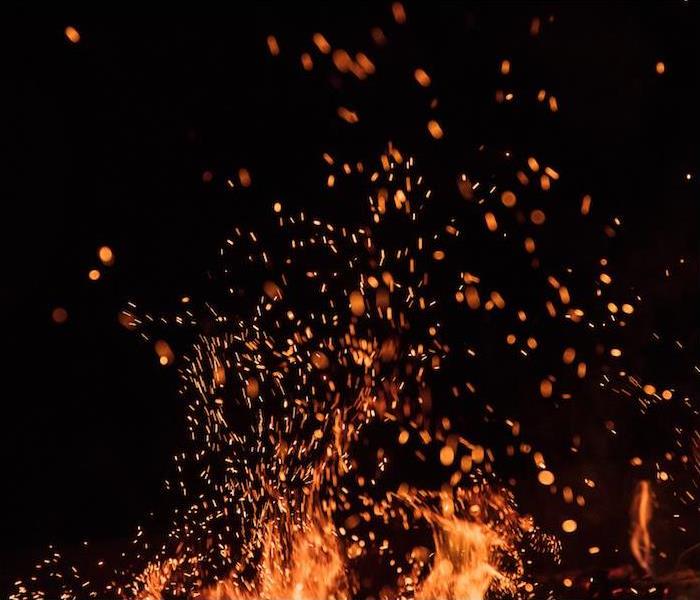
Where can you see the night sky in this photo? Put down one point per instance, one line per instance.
(110, 138)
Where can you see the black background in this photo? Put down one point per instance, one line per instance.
(108, 140)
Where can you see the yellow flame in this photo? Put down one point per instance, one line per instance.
(314, 568)
(463, 567)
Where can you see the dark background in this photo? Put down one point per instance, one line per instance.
(108, 140)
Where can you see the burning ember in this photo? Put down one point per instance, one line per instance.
(343, 440)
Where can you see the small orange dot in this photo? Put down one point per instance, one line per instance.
(164, 352)
(399, 12)
(508, 199)
(546, 388)
(435, 129)
(59, 315)
(545, 477)
(491, 223)
(447, 456)
(307, 62)
(272, 45)
(322, 43)
(537, 217)
(244, 177)
(569, 526)
(660, 68)
(422, 77)
(94, 275)
(569, 356)
(106, 255)
(72, 34)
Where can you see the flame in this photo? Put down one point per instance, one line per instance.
(285, 559)
(285, 402)
(314, 568)
(476, 533)
(335, 332)
(640, 515)
(464, 565)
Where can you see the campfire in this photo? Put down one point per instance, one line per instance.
(343, 438)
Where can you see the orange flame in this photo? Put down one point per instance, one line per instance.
(464, 565)
(315, 568)
(640, 515)
(295, 561)
(475, 533)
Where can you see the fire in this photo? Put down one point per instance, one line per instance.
(464, 567)
(302, 561)
(314, 567)
(326, 335)
(293, 552)
(280, 397)
(477, 538)
(640, 516)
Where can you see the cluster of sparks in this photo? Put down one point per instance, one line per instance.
(338, 436)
